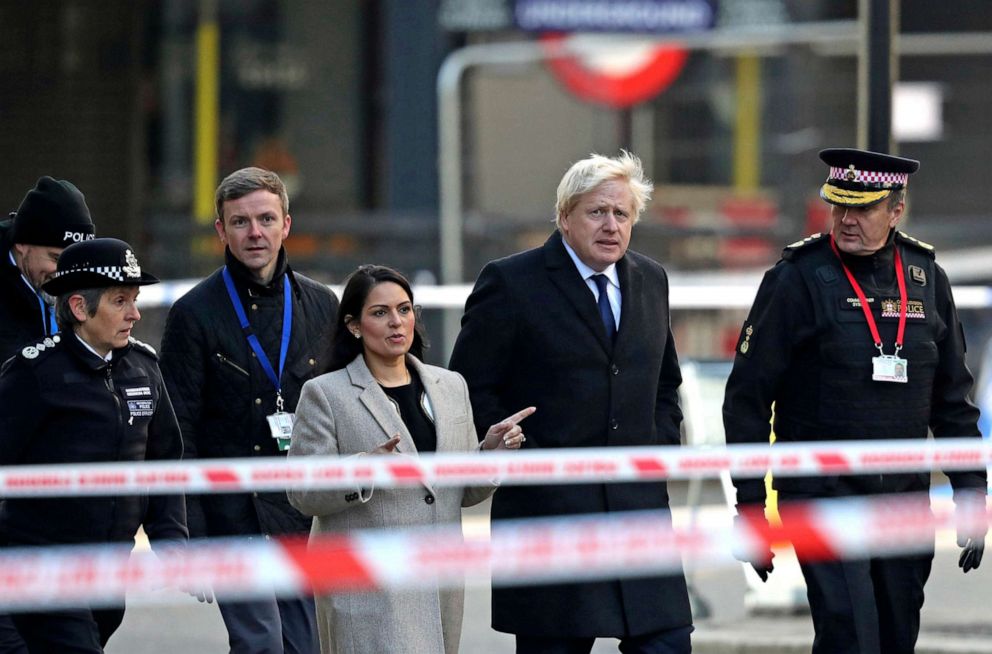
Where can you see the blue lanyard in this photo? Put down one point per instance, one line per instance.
(48, 316)
(48, 323)
(287, 328)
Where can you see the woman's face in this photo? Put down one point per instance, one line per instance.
(386, 324)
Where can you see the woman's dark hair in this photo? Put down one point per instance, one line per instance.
(344, 346)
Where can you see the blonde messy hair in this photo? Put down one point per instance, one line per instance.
(587, 174)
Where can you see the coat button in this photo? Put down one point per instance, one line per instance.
(258, 400)
(614, 369)
(614, 424)
(254, 307)
(429, 499)
(258, 448)
(312, 362)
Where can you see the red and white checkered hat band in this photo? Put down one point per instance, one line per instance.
(868, 176)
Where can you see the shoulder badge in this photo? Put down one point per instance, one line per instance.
(804, 241)
(142, 346)
(909, 240)
(32, 351)
(791, 249)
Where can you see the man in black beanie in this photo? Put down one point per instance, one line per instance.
(52, 216)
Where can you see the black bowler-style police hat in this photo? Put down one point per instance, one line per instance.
(98, 263)
(859, 178)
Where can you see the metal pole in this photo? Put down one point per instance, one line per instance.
(207, 128)
(876, 74)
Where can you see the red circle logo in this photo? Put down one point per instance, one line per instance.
(625, 76)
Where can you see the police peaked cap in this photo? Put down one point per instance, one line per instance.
(98, 263)
(53, 214)
(859, 178)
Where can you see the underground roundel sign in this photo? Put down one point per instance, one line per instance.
(601, 70)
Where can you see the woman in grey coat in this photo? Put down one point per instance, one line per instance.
(380, 399)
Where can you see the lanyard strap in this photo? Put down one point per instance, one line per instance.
(48, 317)
(287, 328)
(869, 318)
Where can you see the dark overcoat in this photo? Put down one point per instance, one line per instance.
(532, 335)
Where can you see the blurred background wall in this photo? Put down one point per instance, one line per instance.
(340, 98)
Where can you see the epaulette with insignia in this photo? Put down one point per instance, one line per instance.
(903, 237)
(793, 248)
(32, 351)
(141, 346)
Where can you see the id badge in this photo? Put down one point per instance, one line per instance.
(281, 428)
(889, 368)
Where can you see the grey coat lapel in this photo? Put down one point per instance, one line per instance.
(381, 408)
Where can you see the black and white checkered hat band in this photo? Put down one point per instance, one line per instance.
(116, 273)
(868, 176)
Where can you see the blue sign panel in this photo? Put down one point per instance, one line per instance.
(645, 16)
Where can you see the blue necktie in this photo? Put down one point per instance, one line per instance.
(605, 310)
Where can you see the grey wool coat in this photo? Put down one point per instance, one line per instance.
(345, 412)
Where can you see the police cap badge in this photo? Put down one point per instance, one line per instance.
(99, 263)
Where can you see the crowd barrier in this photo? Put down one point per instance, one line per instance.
(516, 552)
(528, 466)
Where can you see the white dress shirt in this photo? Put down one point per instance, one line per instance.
(612, 289)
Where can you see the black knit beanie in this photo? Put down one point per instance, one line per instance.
(53, 214)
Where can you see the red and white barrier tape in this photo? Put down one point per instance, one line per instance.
(542, 550)
(558, 466)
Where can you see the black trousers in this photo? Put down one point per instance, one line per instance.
(55, 632)
(271, 626)
(671, 641)
(11, 642)
(866, 606)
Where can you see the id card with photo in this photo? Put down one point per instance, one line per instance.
(889, 368)
(281, 428)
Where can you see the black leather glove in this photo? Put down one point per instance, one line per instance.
(971, 555)
(753, 519)
(972, 525)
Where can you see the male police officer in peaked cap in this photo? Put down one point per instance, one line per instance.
(52, 216)
(854, 335)
(90, 393)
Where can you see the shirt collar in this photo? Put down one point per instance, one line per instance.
(107, 358)
(610, 271)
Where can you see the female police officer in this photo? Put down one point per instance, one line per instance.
(90, 393)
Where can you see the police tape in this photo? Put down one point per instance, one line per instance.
(692, 291)
(529, 466)
(543, 550)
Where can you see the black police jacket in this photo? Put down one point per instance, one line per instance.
(21, 318)
(62, 404)
(222, 395)
(807, 348)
